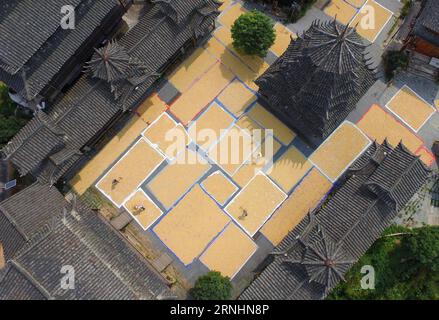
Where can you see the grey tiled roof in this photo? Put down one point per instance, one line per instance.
(12, 240)
(430, 15)
(427, 24)
(178, 9)
(25, 213)
(39, 46)
(106, 266)
(89, 105)
(318, 81)
(316, 255)
(22, 148)
(25, 26)
(16, 285)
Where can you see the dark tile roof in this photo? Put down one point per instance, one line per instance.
(90, 104)
(430, 15)
(105, 264)
(25, 213)
(25, 26)
(12, 240)
(178, 10)
(109, 63)
(40, 47)
(23, 149)
(318, 81)
(427, 24)
(17, 285)
(313, 258)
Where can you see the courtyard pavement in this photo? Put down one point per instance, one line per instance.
(224, 215)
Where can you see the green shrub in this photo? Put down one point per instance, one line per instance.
(404, 267)
(253, 33)
(423, 246)
(405, 9)
(394, 61)
(304, 6)
(10, 124)
(212, 286)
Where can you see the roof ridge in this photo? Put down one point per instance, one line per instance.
(31, 279)
(76, 234)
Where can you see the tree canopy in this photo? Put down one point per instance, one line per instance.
(253, 33)
(404, 267)
(10, 124)
(212, 286)
(423, 246)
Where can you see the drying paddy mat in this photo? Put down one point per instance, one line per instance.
(177, 177)
(371, 20)
(247, 123)
(167, 136)
(426, 156)
(234, 148)
(289, 169)
(229, 252)
(229, 16)
(232, 63)
(143, 209)
(208, 128)
(262, 158)
(410, 108)
(340, 150)
(219, 187)
(305, 197)
(202, 93)
(192, 69)
(283, 39)
(237, 98)
(255, 203)
(225, 5)
(188, 228)
(269, 121)
(356, 3)
(129, 172)
(342, 10)
(254, 62)
(370, 16)
(380, 125)
(149, 110)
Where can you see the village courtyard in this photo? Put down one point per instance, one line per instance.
(206, 211)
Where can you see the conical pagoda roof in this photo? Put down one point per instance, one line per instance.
(325, 262)
(109, 63)
(319, 79)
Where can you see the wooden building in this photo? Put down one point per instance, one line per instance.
(316, 255)
(424, 37)
(40, 232)
(38, 56)
(56, 139)
(318, 81)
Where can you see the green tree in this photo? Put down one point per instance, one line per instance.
(7, 106)
(393, 62)
(212, 286)
(253, 33)
(404, 260)
(10, 124)
(423, 246)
